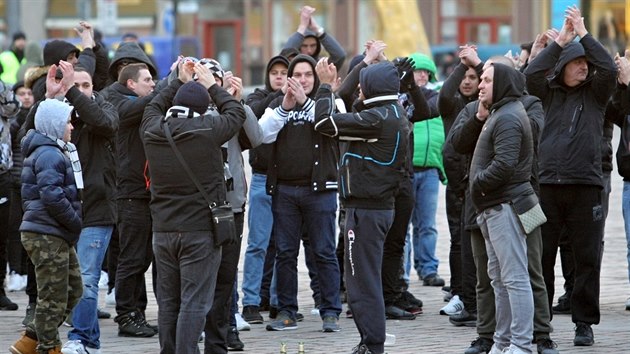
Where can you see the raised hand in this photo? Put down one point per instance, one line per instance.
(204, 76)
(326, 72)
(86, 33)
(468, 55)
(405, 72)
(374, 51)
(236, 87)
(567, 33)
(577, 21)
(68, 76)
(297, 90)
(288, 102)
(623, 65)
(53, 85)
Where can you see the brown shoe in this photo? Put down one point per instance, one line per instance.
(24, 345)
(55, 350)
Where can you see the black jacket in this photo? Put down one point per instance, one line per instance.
(618, 112)
(258, 101)
(176, 203)
(501, 165)
(131, 175)
(373, 156)
(450, 103)
(571, 142)
(95, 123)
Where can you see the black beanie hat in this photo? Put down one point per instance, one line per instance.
(57, 50)
(18, 35)
(18, 85)
(194, 96)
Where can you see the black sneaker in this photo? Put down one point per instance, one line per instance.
(393, 312)
(407, 296)
(234, 343)
(144, 322)
(6, 304)
(132, 324)
(464, 318)
(251, 314)
(563, 307)
(583, 335)
(546, 346)
(299, 317)
(30, 314)
(433, 280)
(480, 345)
(103, 314)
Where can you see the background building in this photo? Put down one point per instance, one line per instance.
(243, 34)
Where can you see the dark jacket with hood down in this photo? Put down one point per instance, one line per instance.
(501, 165)
(176, 203)
(300, 156)
(373, 156)
(49, 193)
(618, 112)
(450, 103)
(258, 101)
(571, 142)
(336, 53)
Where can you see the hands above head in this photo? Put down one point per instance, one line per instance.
(305, 18)
(59, 87)
(623, 65)
(568, 31)
(297, 91)
(405, 72)
(185, 70)
(326, 72)
(541, 42)
(577, 21)
(374, 51)
(204, 76)
(86, 32)
(468, 55)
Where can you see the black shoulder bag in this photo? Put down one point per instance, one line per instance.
(223, 225)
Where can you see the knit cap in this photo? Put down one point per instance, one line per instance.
(215, 67)
(52, 117)
(424, 62)
(194, 96)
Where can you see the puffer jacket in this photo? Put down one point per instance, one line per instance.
(571, 142)
(49, 193)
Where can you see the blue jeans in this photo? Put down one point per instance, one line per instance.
(91, 250)
(426, 186)
(187, 265)
(259, 222)
(625, 204)
(295, 207)
(506, 245)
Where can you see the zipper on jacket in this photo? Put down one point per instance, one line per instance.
(575, 112)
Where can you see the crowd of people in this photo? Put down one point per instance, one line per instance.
(106, 166)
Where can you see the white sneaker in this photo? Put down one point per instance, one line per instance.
(14, 282)
(390, 340)
(496, 350)
(110, 298)
(241, 324)
(315, 311)
(454, 307)
(24, 281)
(76, 347)
(102, 283)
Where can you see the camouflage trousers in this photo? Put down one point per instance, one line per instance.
(59, 285)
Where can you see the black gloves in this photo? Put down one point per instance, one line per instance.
(405, 73)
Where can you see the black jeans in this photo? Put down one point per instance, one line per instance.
(136, 254)
(5, 206)
(394, 246)
(578, 211)
(454, 214)
(218, 319)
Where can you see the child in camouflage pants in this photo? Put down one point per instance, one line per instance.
(51, 224)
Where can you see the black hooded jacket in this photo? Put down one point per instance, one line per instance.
(501, 164)
(571, 142)
(300, 156)
(336, 52)
(130, 51)
(258, 101)
(373, 156)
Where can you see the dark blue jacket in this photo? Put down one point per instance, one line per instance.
(49, 193)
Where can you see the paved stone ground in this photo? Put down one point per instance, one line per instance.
(429, 333)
